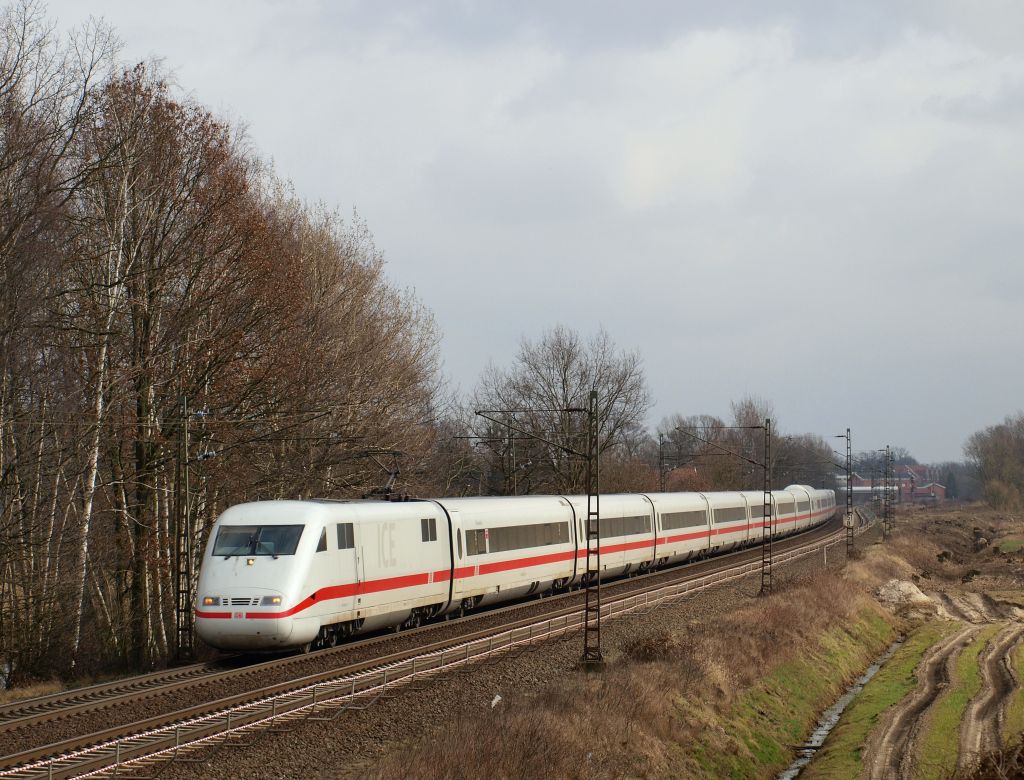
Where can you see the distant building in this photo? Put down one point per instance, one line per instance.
(932, 493)
(917, 484)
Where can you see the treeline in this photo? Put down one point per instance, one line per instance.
(509, 450)
(997, 457)
(147, 257)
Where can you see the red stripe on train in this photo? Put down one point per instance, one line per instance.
(349, 589)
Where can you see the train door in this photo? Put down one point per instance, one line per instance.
(346, 569)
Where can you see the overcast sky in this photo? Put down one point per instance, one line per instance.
(818, 203)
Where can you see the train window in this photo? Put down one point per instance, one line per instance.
(458, 537)
(346, 539)
(625, 526)
(476, 542)
(428, 529)
(695, 517)
(556, 533)
(784, 508)
(496, 539)
(801, 506)
(730, 514)
(321, 546)
(522, 537)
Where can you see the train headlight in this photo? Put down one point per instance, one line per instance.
(211, 601)
(271, 601)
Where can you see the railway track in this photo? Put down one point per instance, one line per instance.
(349, 676)
(42, 709)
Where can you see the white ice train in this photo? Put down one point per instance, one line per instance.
(300, 574)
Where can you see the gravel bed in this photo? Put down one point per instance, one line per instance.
(201, 691)
(350, 746)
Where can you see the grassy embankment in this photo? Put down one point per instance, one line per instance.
(716, 698)
(1011, 544)
(779, 712)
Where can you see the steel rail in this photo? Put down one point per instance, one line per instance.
(349, 687)
(41, 709)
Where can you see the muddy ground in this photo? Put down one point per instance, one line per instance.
(965, 566)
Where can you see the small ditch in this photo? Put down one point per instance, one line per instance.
(830, 717)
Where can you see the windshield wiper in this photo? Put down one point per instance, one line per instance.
(239, 549)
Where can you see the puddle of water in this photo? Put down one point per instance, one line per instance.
(830, 717)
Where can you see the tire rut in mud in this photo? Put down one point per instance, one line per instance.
(1005, 609)
(982, 724)
(958, 608)
(890, 751)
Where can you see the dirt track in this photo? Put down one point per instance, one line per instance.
(890, 749)
(983, 721)
(976, 608)
(973, 584)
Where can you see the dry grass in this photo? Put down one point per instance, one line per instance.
(1000, 765)
(877, 564)
(921, 552)
(645, 712)
(600, 725)
(31, 691)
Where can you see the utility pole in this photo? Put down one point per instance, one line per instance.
(592, 605)
(183, 647)
(661, 461)
(767, 529)
(512, 458)
(591, 454)
(848, 517)
(768, 518)
(849, 495)
(887, 486)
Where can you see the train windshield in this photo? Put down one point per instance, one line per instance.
(257, 540)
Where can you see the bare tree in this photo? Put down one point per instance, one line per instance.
(46, 86)
(146, 255)
(556, 374)
(996, 455)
